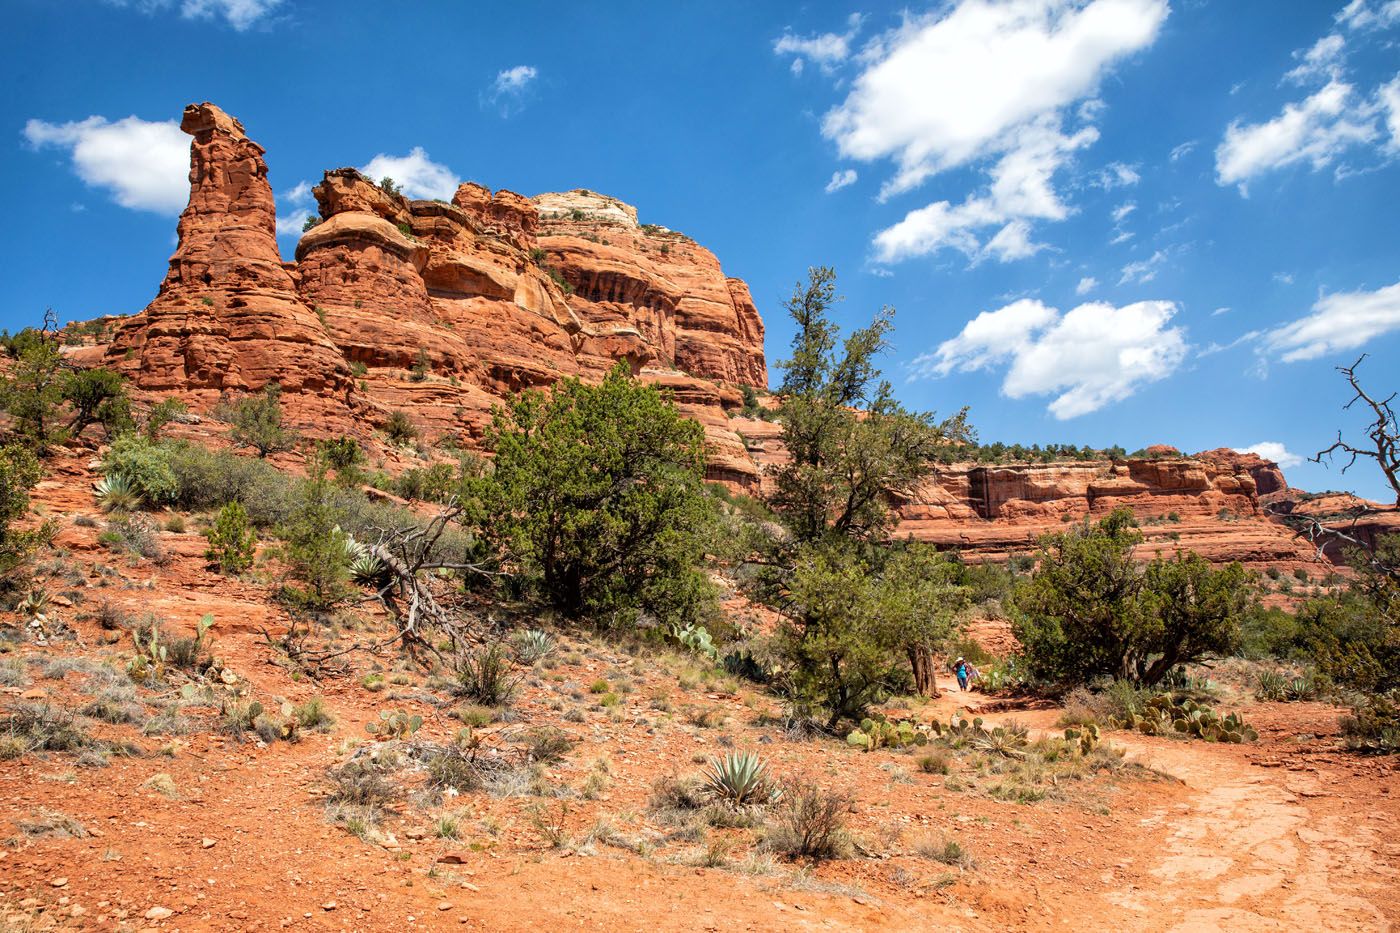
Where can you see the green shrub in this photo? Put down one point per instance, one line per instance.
(487, 676)
(597, 496)
(435, 483)
(313, 714)
(32, 391)
(19, 471)
(97, 396)
(145, 466)
(1268, 632)
(232, 540)
(1089, 611)
(317, 549)
(256, 422)
(850, 629)
(421, 366)
(1373, 726)
(136, 533)
(344, 456)
(399, 428)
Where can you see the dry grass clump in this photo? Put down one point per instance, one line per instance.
(33, 727)
(812, 823)
(358, 794)
(947, 851)
(547, 744)
(53, 823)
(938, 761)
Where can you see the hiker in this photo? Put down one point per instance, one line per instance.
(974, 676)
(961, 668)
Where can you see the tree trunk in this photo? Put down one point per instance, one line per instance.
(921, 661)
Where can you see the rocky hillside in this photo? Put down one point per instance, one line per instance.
(441, 310)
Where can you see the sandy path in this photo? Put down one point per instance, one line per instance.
(1258, 849)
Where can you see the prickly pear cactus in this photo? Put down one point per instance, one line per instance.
(394, 725)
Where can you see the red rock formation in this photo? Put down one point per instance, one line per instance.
(653, 285)
(445, 309)
(1208, 503)
(440, 309)
(228, 315)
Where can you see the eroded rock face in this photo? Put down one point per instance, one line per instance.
(657, 283)
(1209, 503)
(228, 315)
(439, 309)
(442, 310)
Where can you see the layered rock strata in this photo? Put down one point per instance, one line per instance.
(443, 309)
(228, 315)
(440, 309)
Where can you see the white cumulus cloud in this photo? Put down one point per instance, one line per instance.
(416, 175)
(1340, 321)
(509, 90)
(1116, 175)
(296, 205)
(1087, 358)
(1390, 99)
(240, 14)
(1012, 241)
(1363, 15)
(840, 180)
(1322, 59)
(827, 49)
(1144, 270)
(983, 82)
(1317, 130)
(1086, 285)
(1272, 450)
(145, 165)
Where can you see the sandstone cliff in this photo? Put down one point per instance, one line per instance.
(1208, 503)
(228, 315)
(438, 309)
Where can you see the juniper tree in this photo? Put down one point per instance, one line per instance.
(853, 611)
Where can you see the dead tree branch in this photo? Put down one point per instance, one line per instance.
(1384, 433)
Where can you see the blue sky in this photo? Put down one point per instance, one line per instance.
(1101, 221)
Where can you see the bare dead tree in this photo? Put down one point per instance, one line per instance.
(1384, 433)
(1384, 449)
(411, 584)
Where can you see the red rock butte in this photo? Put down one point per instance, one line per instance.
(492, 293)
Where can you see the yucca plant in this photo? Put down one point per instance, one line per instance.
(365, 567)
(533, 645)
(116, 493)
(368, 570)
(740, 779)
(1271, 685)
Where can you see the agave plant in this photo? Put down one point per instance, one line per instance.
(368, 569)
(116, 493)
(1271, 685)
(533, 645)
(365, 567)
(1006, 741)
(740, 779)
